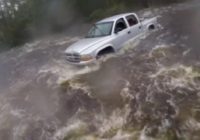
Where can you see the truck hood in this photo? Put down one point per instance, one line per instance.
(84, 44)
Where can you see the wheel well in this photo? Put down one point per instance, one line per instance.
(105, 51)
(151, 27)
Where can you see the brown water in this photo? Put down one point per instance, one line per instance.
(149, 91)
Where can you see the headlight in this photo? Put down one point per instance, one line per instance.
(86, 57)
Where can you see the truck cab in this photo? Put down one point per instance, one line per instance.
(107, 35)
(126, 28)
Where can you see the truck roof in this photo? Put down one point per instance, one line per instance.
(114, 18)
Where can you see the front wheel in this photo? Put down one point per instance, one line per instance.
(105, 52)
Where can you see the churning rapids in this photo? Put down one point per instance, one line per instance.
(150, 91)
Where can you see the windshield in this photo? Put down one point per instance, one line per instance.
(100, 30)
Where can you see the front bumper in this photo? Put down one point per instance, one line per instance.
(81, 63)
(75, 59)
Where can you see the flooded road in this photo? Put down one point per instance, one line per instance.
(150, 91)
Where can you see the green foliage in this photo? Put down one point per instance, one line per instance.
(30, 19)
(15, 23)
(100, 13)
(98, 9)
(23, 20)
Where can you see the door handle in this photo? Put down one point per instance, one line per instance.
(129, 32)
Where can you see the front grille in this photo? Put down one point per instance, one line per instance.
(73, 57)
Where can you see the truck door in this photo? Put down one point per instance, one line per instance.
(135, 26)
(121, 31)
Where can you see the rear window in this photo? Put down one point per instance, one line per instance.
(132, 20)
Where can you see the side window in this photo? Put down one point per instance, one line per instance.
(120, 25)
(132, 20)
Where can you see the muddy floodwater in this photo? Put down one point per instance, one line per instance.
(150, 90)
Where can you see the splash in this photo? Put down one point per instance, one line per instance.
(65, 71)
(180, 75)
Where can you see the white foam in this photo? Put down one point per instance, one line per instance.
(125, 92)
(29, 47)
(64, 71)
(18, 113)
(184, 77)
(192, 124)
(66, 40)
(70, 129)
(143, 136)
(186, 52)
(122, 136)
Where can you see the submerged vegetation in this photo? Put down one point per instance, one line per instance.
(21, 21)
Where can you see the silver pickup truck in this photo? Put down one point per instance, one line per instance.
(108, 36)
